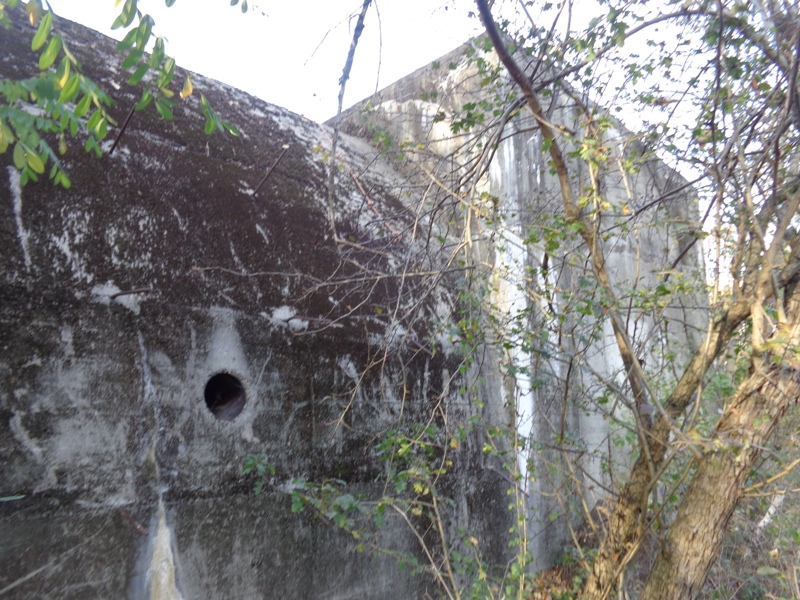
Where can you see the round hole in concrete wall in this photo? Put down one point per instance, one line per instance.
(225, 396)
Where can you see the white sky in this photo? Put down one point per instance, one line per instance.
(293, 55)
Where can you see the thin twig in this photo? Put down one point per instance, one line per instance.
(122, 129)
(772, 479)
(436, 572)
(348, 65)
(132, 522)
(141, 290)
(272, 168)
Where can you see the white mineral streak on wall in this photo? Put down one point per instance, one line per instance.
(225, 352)
(16, 194)
(511, 297)
(162, 581)
(21, 435)
(246, 189)
(149, 395)
(525, 193)
(103, 293)
(515, 255)
(262, 233)
(76, 228)
(285, 316)
(348, 367)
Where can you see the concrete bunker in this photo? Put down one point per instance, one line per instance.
(96, 435)
(318, 346)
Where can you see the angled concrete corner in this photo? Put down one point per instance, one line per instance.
(459, 125)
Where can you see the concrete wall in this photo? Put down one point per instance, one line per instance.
(163, 268)
(504, 200)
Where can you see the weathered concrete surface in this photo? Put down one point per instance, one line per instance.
(103, 412)
(560, 381)
(161, 268)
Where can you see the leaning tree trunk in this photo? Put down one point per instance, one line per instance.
(693, 541)
(628, 517)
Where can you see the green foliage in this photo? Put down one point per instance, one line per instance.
(60, 102)
(417, 460)
(257, 467)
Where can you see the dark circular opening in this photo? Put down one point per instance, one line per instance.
(225, 396)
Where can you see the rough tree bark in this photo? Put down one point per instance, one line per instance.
(694, 539)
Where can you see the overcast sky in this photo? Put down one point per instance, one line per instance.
(291, 53)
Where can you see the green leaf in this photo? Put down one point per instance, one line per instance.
(100, 129)
(62, 73)
(234, 2)
(138, 74)
(44, 30)
(62, 178)
(19, 156)
(231, 129)
(69, 91)
(69, 55)
(163, 109)
(169, 66)
(94, 120)
(143, 31)
(118, 22)
(158, 53)
(83, 106)
(244, 6)
(298, 502)
(92, 146)
(132, 58)
(147, 98)
(35, 163)
(48, 57)
(6, 137)
(128, 40)
(210, 126)
(767, 571)
(167, 73)
(170, 3)
(127, 15)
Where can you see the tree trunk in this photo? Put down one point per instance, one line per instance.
(754, 411)
(694, 540)
(628, 519)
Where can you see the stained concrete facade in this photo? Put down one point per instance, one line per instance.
(173, 285)
(163, 267)
(508, 199)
